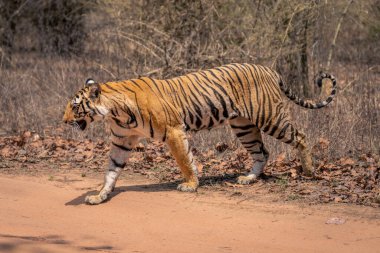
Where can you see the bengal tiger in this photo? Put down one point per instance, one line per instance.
(245, 96)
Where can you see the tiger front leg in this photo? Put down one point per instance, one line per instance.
(118, 155)
(179, 147)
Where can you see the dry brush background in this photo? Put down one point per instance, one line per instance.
(49, 48)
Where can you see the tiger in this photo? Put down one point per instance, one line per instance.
(246, 97)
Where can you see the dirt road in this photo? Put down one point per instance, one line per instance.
(38, 215)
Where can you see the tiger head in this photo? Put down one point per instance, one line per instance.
(84, 108)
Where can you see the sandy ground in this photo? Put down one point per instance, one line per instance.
(41, 215)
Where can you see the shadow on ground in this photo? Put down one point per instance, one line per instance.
(16, 243)
(160, 187)
(136, 188)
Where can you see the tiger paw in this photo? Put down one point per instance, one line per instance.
(95, 199)
(309, 172)
(307, 165)
(246, 179)
(188, 187)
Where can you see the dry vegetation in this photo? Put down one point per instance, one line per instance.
(347, 180)
(48, 49)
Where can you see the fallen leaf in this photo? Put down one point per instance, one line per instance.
(347, 161)
(293, 173)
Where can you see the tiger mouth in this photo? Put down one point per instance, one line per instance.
(82, 124)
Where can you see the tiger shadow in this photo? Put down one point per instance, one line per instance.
(136, 188)
(159, 187)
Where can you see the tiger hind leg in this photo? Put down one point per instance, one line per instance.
(180, 149)
(284, 131)
(250, 137)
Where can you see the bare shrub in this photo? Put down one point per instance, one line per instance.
(126, 39)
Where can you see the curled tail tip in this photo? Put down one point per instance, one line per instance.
(308, 104)
(323, 75)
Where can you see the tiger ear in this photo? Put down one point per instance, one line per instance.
(89, 82)
(94, 88)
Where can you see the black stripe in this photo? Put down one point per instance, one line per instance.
(186, 97)
(261, 123)
(170, 86)
(213, 74)
(200, 83)
(211, 123)
(198, 122)
(221, 99)
(276, 125)
(241, 134)
(135, 83)
(191, 116)
(245, 74)
(214, 109)
(283, 131)
(246, 127)
(251, 142)
(155, 84)
(254, 73)
(249, 146)
(230, 83)
(88, 104)
(164, 138)
(119, 123)
(116, 135)
(84, 110)
(111, 88)
(231, 68)
(151, 126)
(120, 165)
(268, 125)
(122, 147)
(196, 107)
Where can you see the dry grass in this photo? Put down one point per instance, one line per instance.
(34, 94)
(184, 37)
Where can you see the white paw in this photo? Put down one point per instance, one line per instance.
(95, 199)
(246, 179)
(187, 187)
